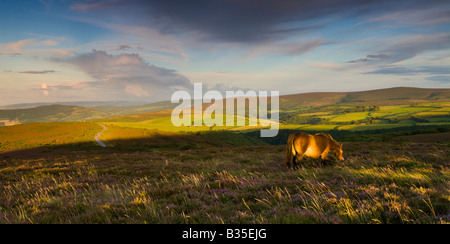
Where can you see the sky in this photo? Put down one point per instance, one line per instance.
(144, 50)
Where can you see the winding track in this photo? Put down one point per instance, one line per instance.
(97, 137)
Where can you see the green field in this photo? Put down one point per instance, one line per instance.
(324, 118)
(350, 117)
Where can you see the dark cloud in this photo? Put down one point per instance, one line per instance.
(242, 21)
(124, 47)
(369, 58)
(405, 47)
(409, 47)
(403, 70)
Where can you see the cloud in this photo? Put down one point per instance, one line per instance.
(427, 15)
(35, 72)
(370, 58)
(294, 49)
(124, 47)
(17, 46)
(43, 88)
(259, 26)
(403, 70)
(126, 73)
(409, 46)
(85, 7)
(39, 46)
(235, 21)
(330, 66)
(440, 78)
(57, 89)
(289, 49)
(10, 54)
(405, 47)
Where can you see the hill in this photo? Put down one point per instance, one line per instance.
(73, 103)
(398, 94)
(51, 113)
(295, 103)
(115, 110)
(65, 113)
(384, 106)
(387, 96)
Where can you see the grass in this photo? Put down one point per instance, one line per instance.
(378, 183)
(152, 139)
(51, 113)
(401, 110)
(350, 117)
(46, 134)
(392, 116)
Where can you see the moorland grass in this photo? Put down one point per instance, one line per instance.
(378, 183)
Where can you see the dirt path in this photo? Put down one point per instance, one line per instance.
(97, 137)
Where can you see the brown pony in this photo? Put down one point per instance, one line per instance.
(318, 145)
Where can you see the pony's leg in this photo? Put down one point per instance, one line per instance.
(289, 162)
(296, 160)
(324, 155)
(290, 159)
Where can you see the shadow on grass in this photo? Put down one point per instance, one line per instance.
(153, 143)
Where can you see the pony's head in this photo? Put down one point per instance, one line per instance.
(338, 153)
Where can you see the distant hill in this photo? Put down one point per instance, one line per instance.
(66, 113)
(75, 103)
(135, 113)
(398, 94)
(388, 96)
(144, 108)
(51, 113)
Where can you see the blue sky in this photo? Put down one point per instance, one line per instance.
(62, 50)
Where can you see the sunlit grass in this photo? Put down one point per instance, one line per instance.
(34, 135)
(350, 117)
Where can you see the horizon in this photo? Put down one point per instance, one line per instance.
(143, 51)
(138, 103)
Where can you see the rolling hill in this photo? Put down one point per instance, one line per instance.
(72, 113)
(387, 96)
(315, 100)
(288, 103)
(51, 113)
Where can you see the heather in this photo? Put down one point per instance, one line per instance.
(377, 183)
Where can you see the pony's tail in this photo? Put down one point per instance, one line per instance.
(290, 150)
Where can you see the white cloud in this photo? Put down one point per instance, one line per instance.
(127, 74)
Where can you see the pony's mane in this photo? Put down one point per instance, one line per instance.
(329, 136)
